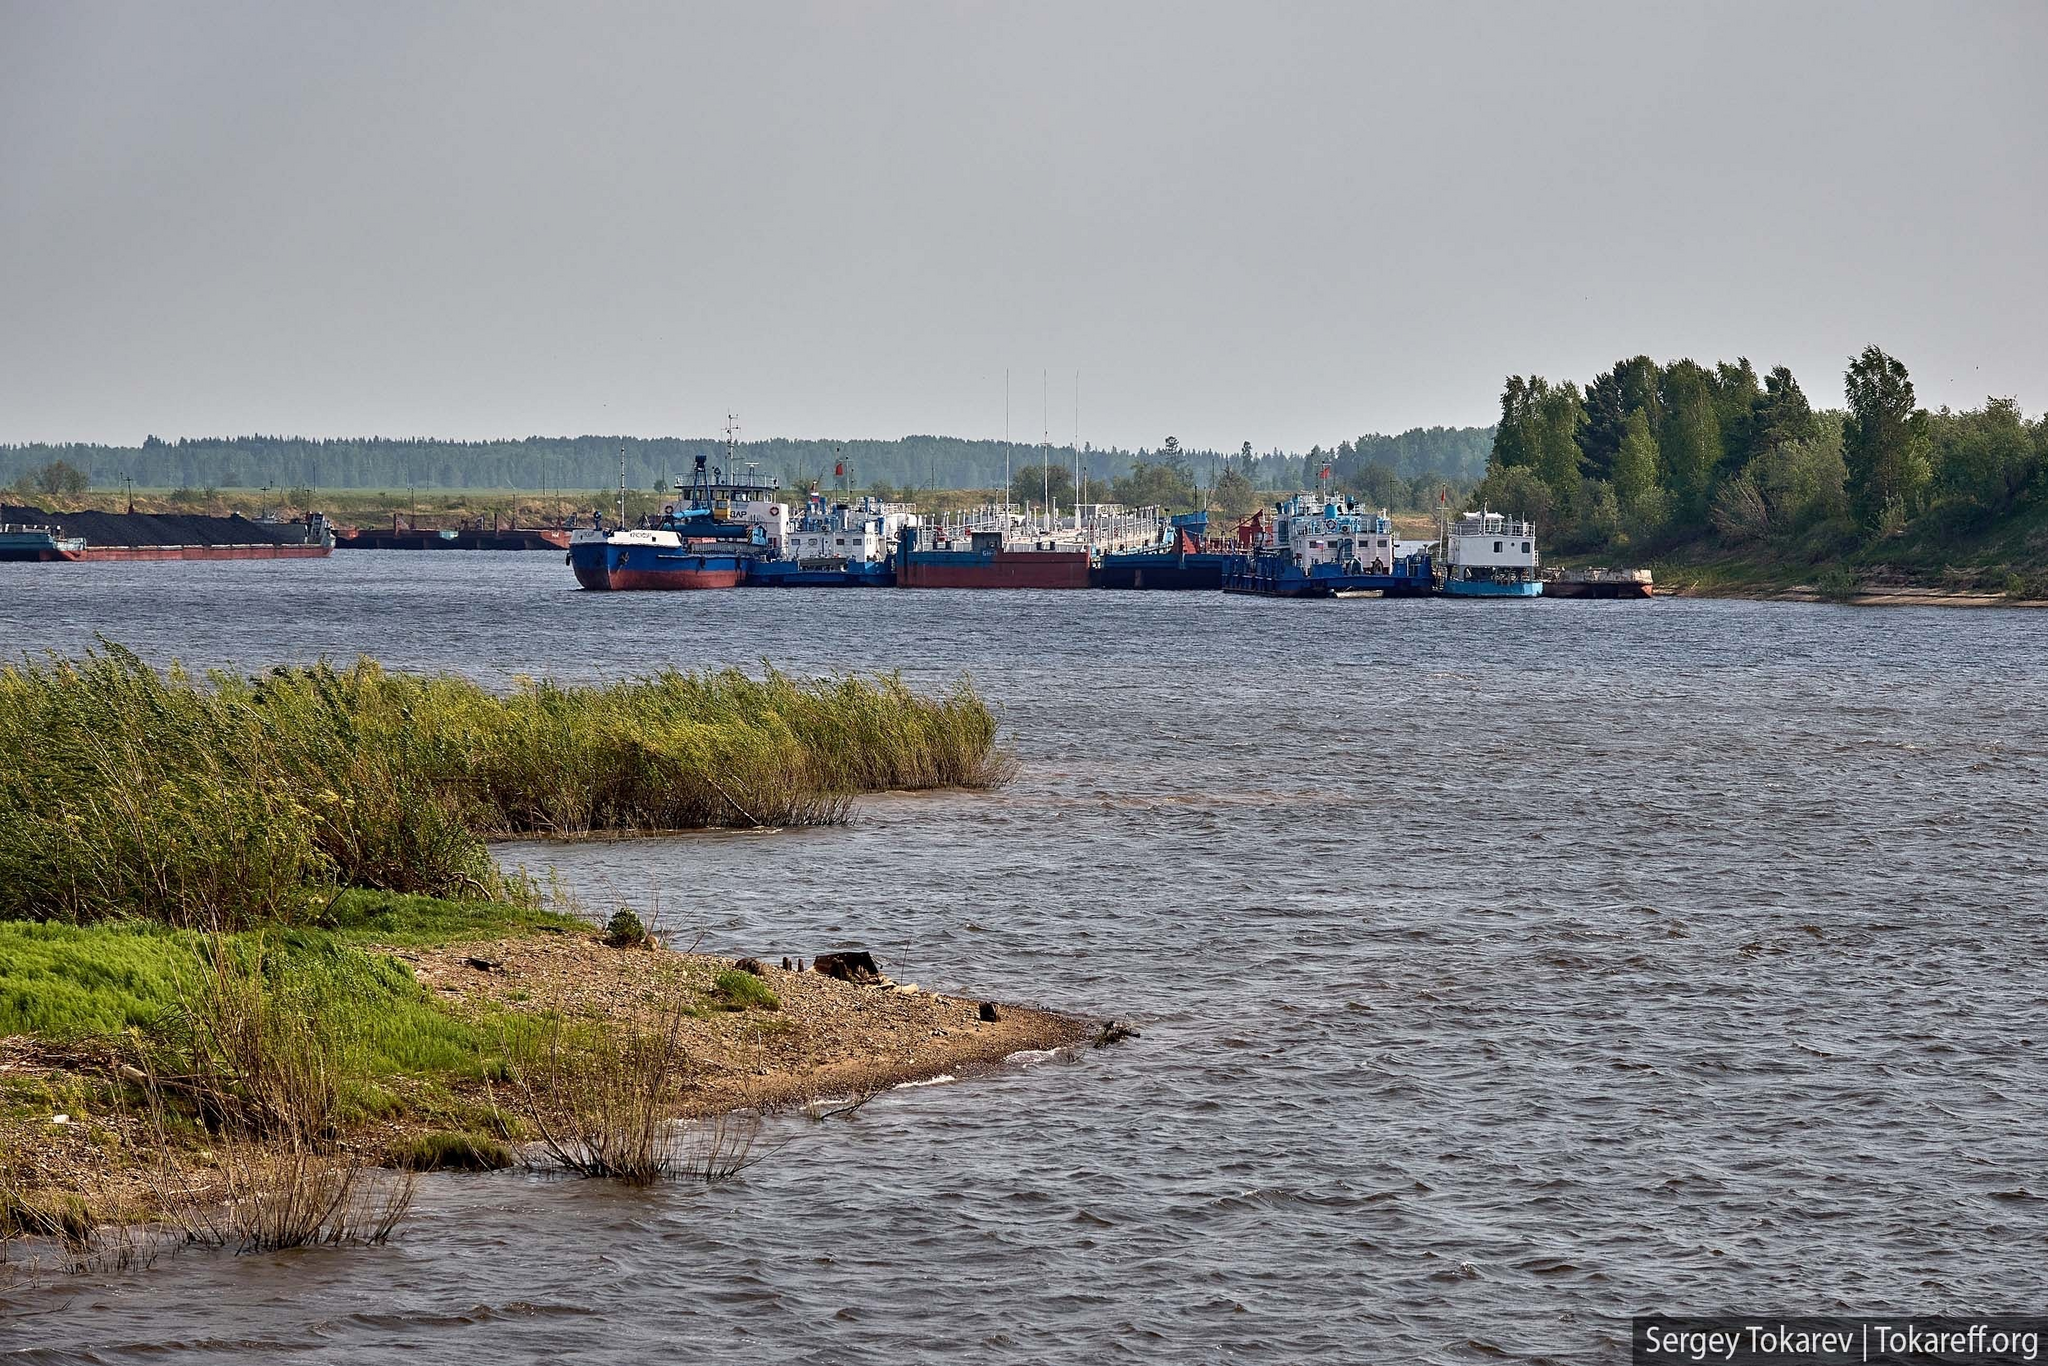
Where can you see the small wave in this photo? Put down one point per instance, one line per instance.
(939, 1080)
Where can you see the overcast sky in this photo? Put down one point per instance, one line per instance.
(1281, 223)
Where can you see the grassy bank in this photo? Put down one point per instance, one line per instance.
(224, 802)
(241, 1089)
(252, 941)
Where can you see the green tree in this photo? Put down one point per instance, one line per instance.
(1376, 485)
(1516, 490)
(1803, 481)
(61, 478)
(1736, 395)
(1638, 480)
(1031, 484)
(1884, 442)
(1983, 458)
(1539, 431)
(1234, 495)
(1155, 484)
(1689, 439)
(1781, 415)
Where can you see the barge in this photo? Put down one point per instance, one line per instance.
(1599, 583)
(33, 534)
(471, 534)
(1179, 562)
(987, 561)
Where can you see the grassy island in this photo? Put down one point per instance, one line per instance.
(253, 946)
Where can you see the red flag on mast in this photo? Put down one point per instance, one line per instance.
(839, 470)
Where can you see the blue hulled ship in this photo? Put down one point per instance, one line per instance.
(1491, 555)
(1323, 546)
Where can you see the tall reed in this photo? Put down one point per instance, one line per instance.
(603, 1095)
(225, 801)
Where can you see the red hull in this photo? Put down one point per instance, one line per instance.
(627, 580)
(204, 552)
(1009, 569)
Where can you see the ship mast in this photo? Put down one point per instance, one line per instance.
(622, 485)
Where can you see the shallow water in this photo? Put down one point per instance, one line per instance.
(1503, 969)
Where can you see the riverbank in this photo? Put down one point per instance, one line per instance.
(444, 1069)
(253, 944)
(1849, 595)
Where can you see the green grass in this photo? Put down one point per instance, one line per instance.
(737, 990)
(402, 921)
(67, 983)
(442, 1150)
(226, 802)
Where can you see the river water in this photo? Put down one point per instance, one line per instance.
(1503, 969)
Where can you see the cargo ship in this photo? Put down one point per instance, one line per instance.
(1599, 583)
(1324, 546)
(988, 560)
(1179, 562)
(1490, 555)
(97, 536)
(24, 541)
(717, 528)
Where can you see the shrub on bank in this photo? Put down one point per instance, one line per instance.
(230, 801)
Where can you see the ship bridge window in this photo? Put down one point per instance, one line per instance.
(1525, 547)
(1496, 547)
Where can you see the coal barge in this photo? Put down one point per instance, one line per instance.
(32, 534)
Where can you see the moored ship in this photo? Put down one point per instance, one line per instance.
(1490, 555)
(100, 536)
(23, 541)
(707, 538)
(987, 561)
(1599, 583)
(1179, 562)
(841, 545)
(1324, 546)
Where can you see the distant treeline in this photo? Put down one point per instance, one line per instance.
(1652, 456)
(592, 462)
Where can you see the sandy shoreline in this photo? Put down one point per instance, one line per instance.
(825, 1040)
(828, 1038)
(1874, 597)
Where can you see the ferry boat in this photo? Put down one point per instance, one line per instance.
(716, 529)
(1490, 555)
(843, 545)
(1323, 546)
(22, 541)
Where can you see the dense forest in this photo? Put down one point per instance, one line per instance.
(589, 463)
(1681, 459)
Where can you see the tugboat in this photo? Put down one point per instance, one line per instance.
(845, 545)
(1322, 547)
(717, 528)
(1490, 555)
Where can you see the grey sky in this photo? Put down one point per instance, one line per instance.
(1277, 223)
